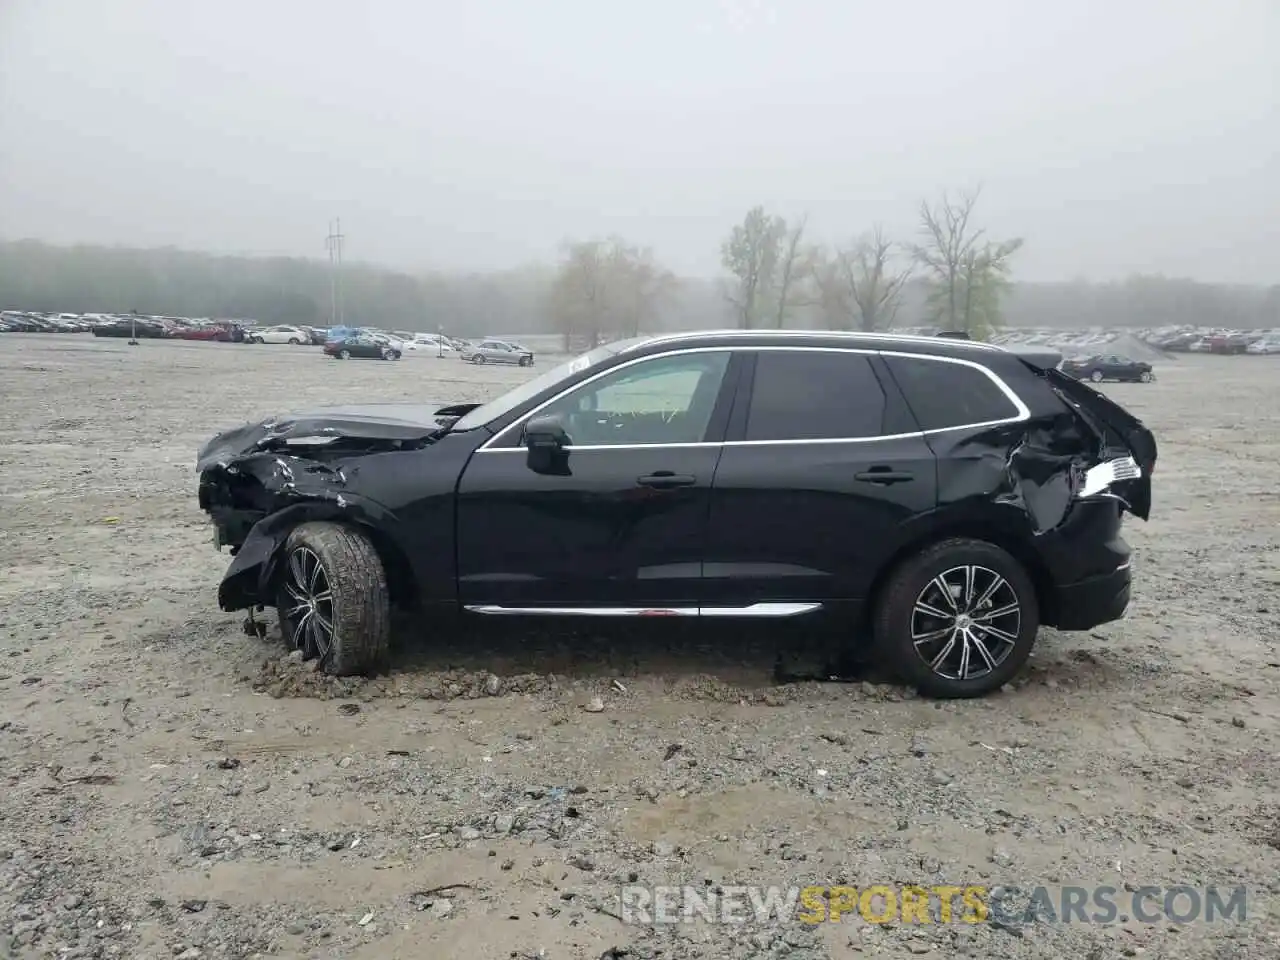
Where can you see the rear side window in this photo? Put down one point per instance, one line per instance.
(943, 394)
(814, 395)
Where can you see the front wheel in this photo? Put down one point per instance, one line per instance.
(1096, 376)
(344, 354)
(387, 354)
(1145, 376)
(295, 341)
(332, 598)
(526, 361)
(957, 620)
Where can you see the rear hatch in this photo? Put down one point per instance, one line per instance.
(1123, 436)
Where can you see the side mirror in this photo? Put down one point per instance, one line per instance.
(546, 438)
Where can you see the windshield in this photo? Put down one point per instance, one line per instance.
(527, 391)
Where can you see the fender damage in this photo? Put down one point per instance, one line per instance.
(260, 480)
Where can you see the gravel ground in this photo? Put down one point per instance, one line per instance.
(173, 787)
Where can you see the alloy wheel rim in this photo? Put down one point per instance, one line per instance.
(965, 622)
(310, 611)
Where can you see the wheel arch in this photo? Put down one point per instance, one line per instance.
(1017, 546)
(255, 571)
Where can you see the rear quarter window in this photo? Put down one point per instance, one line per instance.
(944, 394)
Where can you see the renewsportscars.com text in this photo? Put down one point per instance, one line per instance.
(907, 904)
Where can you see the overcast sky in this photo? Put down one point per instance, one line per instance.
(1132, 135)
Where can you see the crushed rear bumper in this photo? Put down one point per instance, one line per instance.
(1094, 601)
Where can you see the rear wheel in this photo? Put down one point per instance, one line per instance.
(332, 598)
(526, 361)
(295, 341)
(477, 359)
(344, 354)
(957, 620)
(1096, 376)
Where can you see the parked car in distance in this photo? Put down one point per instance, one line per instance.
(280, 334)
(362, 345)
(884, 480)
(1109, 367)
(432, 343)
(498, 351)
(1270, 343)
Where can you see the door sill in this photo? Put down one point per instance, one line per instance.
(780, 609)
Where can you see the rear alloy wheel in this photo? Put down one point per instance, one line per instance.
(957, 620)
(344, 354)
(332, 598)
(1096, 376)
(295, 341)
(1145, 376)
(477, 359)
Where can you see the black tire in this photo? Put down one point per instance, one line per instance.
(359, 606)
(526, 361)
(896, 618)
(477, 359)
(1145, 376)
(1096, 376)
(295, 341)
(344, 354)
(388, 353)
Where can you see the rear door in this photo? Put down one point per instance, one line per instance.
(821, 472)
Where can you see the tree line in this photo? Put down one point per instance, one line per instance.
(949, 273)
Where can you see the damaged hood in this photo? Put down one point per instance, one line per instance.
(388, 422)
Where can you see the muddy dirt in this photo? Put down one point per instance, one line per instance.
(175, 788)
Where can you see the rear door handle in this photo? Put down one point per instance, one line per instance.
(665, 479)
(884, 475)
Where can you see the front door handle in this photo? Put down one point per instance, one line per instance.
(884, 475)
(665, 480)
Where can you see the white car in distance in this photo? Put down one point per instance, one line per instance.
(430, 343)
(280, 334)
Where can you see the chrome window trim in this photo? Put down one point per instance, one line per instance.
(1023, 412)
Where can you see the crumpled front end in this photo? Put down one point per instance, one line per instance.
(259, 481)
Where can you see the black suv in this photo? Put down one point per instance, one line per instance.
(947, 497)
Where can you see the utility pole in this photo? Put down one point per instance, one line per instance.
(334, 244)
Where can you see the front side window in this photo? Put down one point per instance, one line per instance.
(944, 394)
(663, 400)
(814, 395)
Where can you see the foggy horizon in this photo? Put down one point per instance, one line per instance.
(1137, 139)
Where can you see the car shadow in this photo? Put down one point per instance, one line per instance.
(752, 651)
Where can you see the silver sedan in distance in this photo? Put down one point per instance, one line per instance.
(498, 351)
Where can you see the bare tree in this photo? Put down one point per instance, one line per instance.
(861, 284)
(606, 287)
(750, 253)
(794, 268)
(640, 286)
(964, 271)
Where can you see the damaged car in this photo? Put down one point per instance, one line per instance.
(944, 498)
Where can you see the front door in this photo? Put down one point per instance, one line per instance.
(619, 525)
(818, 483)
